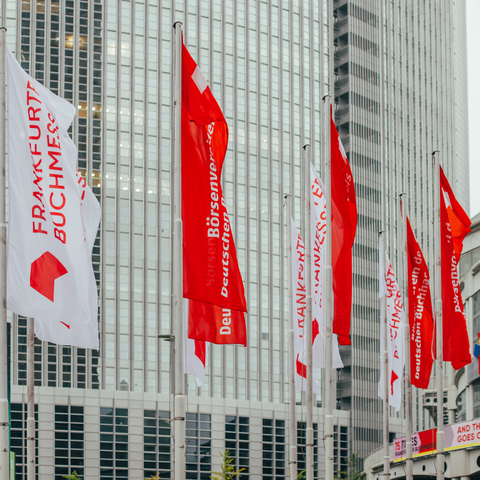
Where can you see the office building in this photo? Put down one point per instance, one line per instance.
(268, 63)
(425, 103)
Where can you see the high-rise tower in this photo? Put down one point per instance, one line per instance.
(425, 109)
(268, 63)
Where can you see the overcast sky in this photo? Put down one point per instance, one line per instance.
(473, 50)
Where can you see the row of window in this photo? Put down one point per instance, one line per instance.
(364, 15)
(69, 427)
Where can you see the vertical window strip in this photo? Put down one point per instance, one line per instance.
(69, 440)
(198, 444)
(113, 443)
(237, 437)
(157, 441)
(18, 438)
(274, 455)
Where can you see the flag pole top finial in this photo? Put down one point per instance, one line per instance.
(325, 96)
(3, 28)
(305, 146)
(434, 152)
(178, 23)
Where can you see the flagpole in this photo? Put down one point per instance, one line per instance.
(30, 400)
(383, 313)
(384, 321)
(438, 315)
(4, 418)
(177, 261)
(293, 422)
(308, 322)
(408, 378)
(329, 389)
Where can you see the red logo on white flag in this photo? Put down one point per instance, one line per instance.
(54, 217)
(318, 229)
(299, 306)
(43, 273)
(395, 335)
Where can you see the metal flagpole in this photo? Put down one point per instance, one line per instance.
(438, 315)
(293, 422)
(30, 401)
(177, 261)
(383, 313)
(328, 387)
(308, 320)
(408, 377)
(4, 418)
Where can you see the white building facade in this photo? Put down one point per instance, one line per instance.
(269, 63)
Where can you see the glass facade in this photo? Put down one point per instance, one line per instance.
(418, 98)
(18, 438)
(157, 444)
(274, 449)
(69, 440)
(237, 437)
(113, 443)
(268, 63)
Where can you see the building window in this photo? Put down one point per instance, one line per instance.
(237, 436)
(52, 365)
(113, 443)
(476, 314)
(340, 449)
(67, 367)
(476, 400)
(467, 261)
(69, 446)
(18, 438)
(22, 352)
(198, 443)
(157, 444)
(81, 368)
(461, 414)
(302, 450)
(274, 459)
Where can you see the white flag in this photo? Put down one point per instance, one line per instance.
(61, 333)
(49, 267)
(395, 335)
(318, 229)
(299, 303)
(194, 351)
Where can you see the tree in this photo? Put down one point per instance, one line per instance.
(354, 472)
(73, 476)
(301, 475)
(228, 471)
(154, 477)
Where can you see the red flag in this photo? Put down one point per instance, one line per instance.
(454, 226)
(420, 313)
(194, 351)
(224, 326)
(210, 268)
(344, 226)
